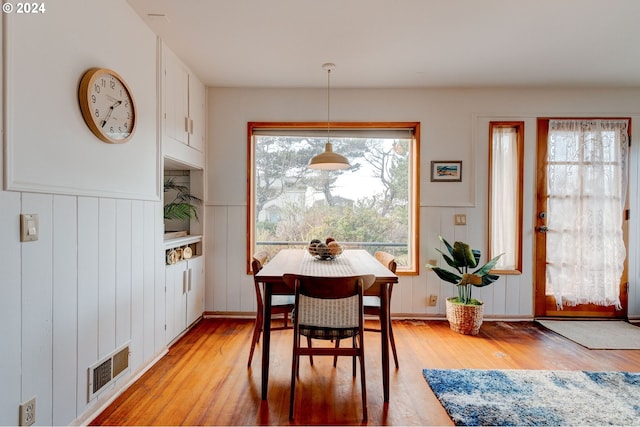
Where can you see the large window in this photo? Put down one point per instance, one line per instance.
(373, 205)
(505, 195)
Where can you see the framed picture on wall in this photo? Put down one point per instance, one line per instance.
(446, 171)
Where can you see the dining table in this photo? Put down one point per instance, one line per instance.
(352, 262)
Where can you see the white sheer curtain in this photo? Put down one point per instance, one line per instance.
(586, 184)
(504, 168)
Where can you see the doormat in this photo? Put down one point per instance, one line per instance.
(597, 334)
(537, 398)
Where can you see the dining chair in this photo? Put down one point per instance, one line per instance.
(372, 304)
(328, 308)
(280, 304)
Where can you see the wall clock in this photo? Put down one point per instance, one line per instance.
(107, 105)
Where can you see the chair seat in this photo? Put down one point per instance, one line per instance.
(277, 300)
(321, 333)
(371, 301)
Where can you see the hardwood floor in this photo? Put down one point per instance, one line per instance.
(204, 379)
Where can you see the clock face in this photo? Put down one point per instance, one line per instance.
(107, 105)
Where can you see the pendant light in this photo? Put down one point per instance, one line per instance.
(328, 160)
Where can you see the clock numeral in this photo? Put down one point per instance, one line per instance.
(96, 88)
(97, 113)
(112, 84)
(93, 98)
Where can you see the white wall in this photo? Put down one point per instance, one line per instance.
(454, 126)
(93, 280)
(46, 56)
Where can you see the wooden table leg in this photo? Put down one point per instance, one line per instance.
(266, 339)
(384, 327)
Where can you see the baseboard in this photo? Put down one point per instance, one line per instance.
(229, 315)
(394, 316)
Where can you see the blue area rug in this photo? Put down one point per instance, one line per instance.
(537, 398)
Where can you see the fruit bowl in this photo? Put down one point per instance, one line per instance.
(324, 251)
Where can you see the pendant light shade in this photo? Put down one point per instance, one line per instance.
(328, 160)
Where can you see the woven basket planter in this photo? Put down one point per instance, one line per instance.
(464, 319)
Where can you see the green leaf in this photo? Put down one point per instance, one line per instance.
(180, 207)
(449, 260)
(488, 266)
(476, 256)
(463, 255)
(180, 211)
(449, 248)
(446, 275)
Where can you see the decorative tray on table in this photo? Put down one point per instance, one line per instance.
(328, 250)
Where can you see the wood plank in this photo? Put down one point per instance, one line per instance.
(123, 271)
(10, 307)
(37, 310)
(107, 277)
(204, 381)
(65, 308)
(147, 258)
(137, 285)
(88, 261)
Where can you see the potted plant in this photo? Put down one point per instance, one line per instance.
(465, 313)
(180, 207)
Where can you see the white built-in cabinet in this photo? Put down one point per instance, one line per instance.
(183, 112)
(182, 116)
(184, 287)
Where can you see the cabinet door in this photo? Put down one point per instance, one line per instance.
(195, 289)
(175, 309)
(197, 94)
(176, 98)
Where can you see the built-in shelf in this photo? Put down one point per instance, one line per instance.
(177, 242)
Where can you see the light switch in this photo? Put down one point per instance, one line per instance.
(29, 227)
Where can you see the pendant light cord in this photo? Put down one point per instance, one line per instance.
(328, 102)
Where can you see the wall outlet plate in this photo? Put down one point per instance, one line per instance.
(28, 412)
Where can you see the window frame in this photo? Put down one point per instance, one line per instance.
(414, 210)
(517, 232)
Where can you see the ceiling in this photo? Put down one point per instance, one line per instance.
(402, 43)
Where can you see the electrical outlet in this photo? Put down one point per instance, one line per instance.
(433, 300)
(28, 412)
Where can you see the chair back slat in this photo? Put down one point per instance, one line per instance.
(328, 313)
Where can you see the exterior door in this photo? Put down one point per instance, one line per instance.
(553, 161)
